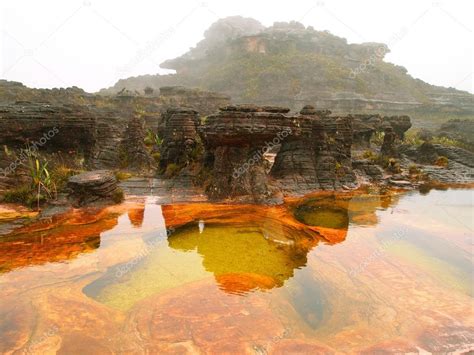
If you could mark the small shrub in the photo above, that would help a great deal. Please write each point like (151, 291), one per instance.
(122, 175)
(448, 142)
(412, 138)
(377, 138)
(442, 161)
(196, 153)
(20, 194)
(152, 138)
(60, 175)
(156, 156)
(369, 154)
(118, 195)
(172, 170)
(339, 170)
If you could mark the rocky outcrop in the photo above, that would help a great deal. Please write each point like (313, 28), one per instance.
(318, 155)
(134, 150)
(236, 139)
(368, 168)
(48, 127)
(92, 186)
(295, 162)
(366, 125)
(180, 136)
(429, 152)
(333, 138)
(314, 153)
(400, 124)
(204, 102)
(426, 153)
(460, 130)
(388, 146)
(97, 134)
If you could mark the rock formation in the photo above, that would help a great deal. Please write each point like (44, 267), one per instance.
(133, 148)
(314, 153)
(318, 155)
(236, 138)
(366, 125)
(295, 162)
(88, 187)
(205, 102)
(400, 124)
(180, 136)
(388, 146)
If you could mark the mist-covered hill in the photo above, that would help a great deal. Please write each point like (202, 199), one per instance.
(290, 64)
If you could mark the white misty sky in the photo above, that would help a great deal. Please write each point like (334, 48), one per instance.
(93, 43)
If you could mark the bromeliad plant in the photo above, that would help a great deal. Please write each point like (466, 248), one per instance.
(40, 178)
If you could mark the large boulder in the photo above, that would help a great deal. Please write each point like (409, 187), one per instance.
(92, 186)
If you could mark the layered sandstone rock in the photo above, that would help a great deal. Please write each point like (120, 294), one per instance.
(99, 135)
(93, 186)
(314, 153)
(366, 125)
(318, 155)
(388, 146)
(400, 124)
(134, 148)
(236, 139)
(205, 102)
(180, 136)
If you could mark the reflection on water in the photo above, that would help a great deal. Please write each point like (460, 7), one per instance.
(330, 272)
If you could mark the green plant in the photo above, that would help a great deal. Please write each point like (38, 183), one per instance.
(449, 142)
(377, 138)
(156, 156)
(172, 170)
(20, 194)
(41, 178)
(369, 154)
(412, 138)
(339, 170)
(122, 175)
(60, 174)
(118, 195)
(152, 138)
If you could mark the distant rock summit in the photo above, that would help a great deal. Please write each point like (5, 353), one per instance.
(290, 64)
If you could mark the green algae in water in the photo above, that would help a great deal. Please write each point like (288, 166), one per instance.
(323, 216)
(231, 249)
(161, 270)
(191, 256)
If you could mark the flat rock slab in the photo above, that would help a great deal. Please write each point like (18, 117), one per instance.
(92, 178)
(92, 186)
